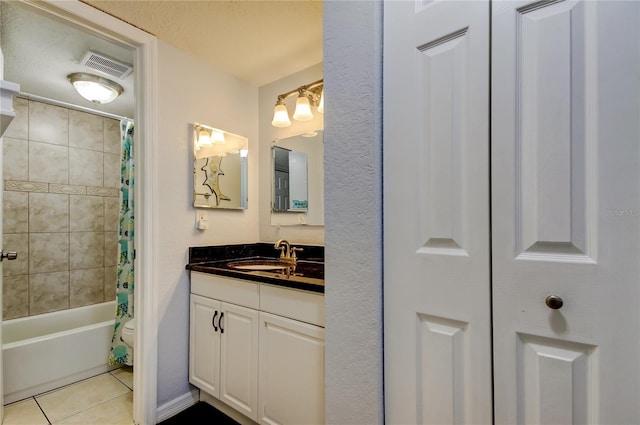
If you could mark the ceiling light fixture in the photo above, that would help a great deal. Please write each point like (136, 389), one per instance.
(95, 89)
(310, 95)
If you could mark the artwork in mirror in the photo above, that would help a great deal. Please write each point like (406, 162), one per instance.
(298, 181)
(220, 172)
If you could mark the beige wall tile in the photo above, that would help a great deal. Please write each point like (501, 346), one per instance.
(110, 280)
(48, 292)
(15, 159)
(48, 163)
(15, 296)
(86, 167)
(48, 212)
(24, 412)
(22, 186)
(87, 250)
(111, 170)
(83, 395)
(103, 191)
(87, 213)
(19, 127)
(110, 248)
(48, 252)
(68, 189)
(86, 131)
(19, 243)
(111, 214)
(15, 218)
(48, 123)
(112, 136)
(86, 287)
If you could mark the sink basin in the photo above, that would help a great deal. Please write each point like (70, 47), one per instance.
(259, 265)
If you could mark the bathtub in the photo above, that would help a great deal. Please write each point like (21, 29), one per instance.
(47, 351)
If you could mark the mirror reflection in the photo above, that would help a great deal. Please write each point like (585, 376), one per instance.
(220, 171)
(298, 180)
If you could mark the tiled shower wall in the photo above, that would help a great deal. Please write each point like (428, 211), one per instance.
(61, 180)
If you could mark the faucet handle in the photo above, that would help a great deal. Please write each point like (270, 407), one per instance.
(282, 248)
(293, 251)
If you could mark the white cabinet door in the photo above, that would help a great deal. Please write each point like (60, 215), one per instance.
(566, 209)
(436, 217)
(204, 344)
(239, 359)
(291, 382)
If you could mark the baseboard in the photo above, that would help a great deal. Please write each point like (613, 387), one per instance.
(177, 405)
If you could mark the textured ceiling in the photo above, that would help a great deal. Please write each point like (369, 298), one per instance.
(257, 41)
(40, 52)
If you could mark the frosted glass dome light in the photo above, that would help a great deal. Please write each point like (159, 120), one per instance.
(95, 89)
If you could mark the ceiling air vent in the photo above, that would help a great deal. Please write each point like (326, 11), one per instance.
(105, 64)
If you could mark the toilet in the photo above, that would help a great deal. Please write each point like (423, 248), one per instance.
(129, 333)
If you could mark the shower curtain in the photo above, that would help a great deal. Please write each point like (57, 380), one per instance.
(121, 353)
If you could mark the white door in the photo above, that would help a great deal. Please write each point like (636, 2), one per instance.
(204, 344)
(437, 322)
(566, 211)
(239, 358)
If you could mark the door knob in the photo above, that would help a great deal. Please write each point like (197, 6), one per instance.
(554, 302)
(9, 255)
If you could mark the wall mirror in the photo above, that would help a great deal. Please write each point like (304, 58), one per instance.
(219, 169)
(298, 180)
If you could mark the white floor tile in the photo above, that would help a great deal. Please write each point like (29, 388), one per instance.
(24, 412)
(83, 395)
(118, 411)
(124, 375)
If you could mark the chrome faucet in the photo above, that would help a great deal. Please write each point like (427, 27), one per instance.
(287, 252)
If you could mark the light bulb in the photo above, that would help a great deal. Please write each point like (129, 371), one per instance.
(280, 115)
(321, 104)
(218, 137)
(204, 137)
(303, 109)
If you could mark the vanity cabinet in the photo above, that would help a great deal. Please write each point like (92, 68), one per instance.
(223, 356)
(258, 348)
(291, 384)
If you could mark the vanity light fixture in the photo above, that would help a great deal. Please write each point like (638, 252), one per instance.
(308, 95)
(95, 89)
(203, 135)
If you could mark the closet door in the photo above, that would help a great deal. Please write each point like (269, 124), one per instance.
(566, 211)
(436, 212)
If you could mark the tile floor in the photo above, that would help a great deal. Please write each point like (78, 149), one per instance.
(105, 399)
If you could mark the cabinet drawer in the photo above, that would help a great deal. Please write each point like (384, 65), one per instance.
(236, 291)
(298, 305)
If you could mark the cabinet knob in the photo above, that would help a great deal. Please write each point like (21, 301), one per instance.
(554, 302)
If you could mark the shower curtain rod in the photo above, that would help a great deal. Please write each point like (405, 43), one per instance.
(71, 106)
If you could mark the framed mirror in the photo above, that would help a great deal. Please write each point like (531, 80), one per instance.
(298, 180)
(219, 169)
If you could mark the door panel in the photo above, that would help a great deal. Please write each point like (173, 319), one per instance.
(239, 359)
(565, 206)
(204, 340)
(436, 218)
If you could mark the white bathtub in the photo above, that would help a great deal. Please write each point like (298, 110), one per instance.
(46, 351)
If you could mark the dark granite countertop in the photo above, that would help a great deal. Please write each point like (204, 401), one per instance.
(309, 271)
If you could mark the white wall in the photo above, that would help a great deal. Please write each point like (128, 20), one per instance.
(191, 90)
(313, 235)
(353, 211)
